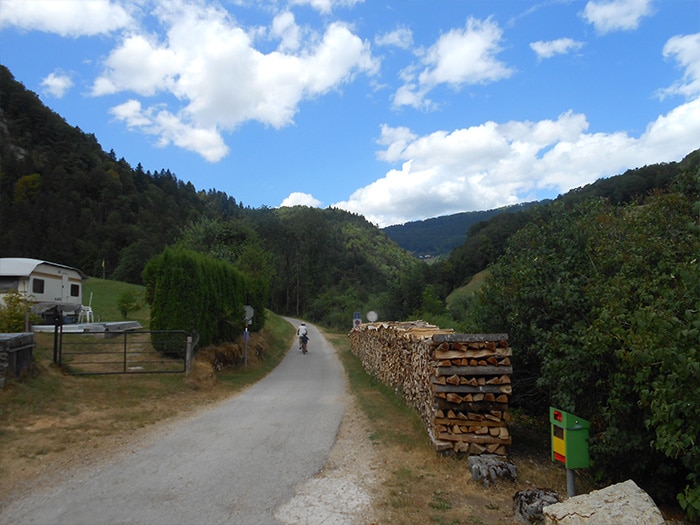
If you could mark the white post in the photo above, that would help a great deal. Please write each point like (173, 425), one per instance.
(245, 354)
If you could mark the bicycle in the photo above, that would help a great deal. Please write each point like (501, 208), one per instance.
(303, 340)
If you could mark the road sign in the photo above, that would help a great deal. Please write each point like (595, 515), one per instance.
(356, 319)
(249, 313)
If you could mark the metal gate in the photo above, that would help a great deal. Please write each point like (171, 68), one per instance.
(127, 352)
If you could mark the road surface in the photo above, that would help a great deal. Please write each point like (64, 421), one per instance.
(234, 464)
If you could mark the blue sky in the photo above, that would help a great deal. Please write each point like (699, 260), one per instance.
(394, 109)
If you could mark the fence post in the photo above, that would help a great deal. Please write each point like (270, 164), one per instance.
(188, 355)
(125, 346)
(56, 324)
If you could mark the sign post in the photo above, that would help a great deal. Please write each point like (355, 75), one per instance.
(249, 313)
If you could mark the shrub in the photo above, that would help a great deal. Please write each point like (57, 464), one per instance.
(194, 292)
(128, 302)
(13, 313)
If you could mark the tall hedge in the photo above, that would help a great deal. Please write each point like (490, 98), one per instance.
(191, 291)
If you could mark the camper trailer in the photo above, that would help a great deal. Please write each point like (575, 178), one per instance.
(48, 286)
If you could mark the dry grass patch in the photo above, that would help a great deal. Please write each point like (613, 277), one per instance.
(421, 486)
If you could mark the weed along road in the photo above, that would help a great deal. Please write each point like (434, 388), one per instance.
(234, 463)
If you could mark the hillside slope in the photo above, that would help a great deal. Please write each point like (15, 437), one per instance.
(438, 236)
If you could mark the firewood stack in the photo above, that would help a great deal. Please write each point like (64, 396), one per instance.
(459, 383)
(472, 386)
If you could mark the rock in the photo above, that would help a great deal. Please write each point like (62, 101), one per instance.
(621, 504)
(490, 467)
(528, 504)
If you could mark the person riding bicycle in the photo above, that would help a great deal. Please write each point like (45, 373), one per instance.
(302, 332)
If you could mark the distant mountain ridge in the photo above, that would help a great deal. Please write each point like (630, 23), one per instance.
(438, 236)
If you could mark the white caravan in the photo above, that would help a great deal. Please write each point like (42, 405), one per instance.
(45, 284)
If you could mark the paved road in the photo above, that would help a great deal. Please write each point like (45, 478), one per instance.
(232, 464)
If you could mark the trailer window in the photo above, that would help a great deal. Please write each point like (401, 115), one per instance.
(8, 284)
(75, 290)
(37, 285)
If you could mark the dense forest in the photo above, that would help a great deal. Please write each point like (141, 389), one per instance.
(599, 290)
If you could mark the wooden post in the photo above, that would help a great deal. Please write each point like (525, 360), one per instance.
(188, 356)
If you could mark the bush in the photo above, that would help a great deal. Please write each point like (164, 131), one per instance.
(128, 302)
(601, 304)
(193, 292)
(13, 313)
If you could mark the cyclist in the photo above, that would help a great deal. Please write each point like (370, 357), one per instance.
(302, 332)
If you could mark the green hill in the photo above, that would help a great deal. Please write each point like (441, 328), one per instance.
(436, 237)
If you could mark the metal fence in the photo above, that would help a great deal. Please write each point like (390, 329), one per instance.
(128, 352)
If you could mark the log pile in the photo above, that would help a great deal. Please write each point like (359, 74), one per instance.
(472, 386)
(459, 383)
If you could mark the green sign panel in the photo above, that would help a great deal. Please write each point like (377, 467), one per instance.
(569, 439)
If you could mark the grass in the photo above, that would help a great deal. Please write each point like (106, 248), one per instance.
(103, 295)
(281, 334)
(393, 421)
(468, 290)
(421, 486)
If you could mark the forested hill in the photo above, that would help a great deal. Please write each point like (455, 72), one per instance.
(66, 200)
(440, 235)
(486, 241)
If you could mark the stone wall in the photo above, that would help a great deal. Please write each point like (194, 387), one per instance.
(16, 355)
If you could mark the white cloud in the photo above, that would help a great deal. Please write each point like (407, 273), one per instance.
(285, 28)
(459, 57)
(140, 65)
(218, 77)
(326, 6)
(169, 128)
(57, 84)
(401, 37)
(493, 165)
(616, 15)
(298, 198)
(686, 50)
(561, 46)
(65, 17)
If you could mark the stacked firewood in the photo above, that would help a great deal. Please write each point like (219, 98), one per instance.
(472, 386)
(459, 383)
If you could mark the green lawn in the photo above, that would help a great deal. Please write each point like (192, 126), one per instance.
(105, 296)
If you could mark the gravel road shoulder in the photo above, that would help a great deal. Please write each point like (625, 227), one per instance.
(342, 492)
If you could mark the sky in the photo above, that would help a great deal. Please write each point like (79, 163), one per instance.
(397, 110)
